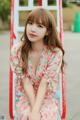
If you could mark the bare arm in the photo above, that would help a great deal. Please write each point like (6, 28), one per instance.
(28, 88)
(40, 95)
(15, 65)
(49, 80)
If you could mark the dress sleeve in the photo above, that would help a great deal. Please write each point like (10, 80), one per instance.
(53, 70)
(15, 62)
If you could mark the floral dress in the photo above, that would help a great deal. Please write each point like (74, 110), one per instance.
(49, 68)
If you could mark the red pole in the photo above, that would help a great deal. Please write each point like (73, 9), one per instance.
(12, 36)
(39, 2)
(63, 116)
(61, 20)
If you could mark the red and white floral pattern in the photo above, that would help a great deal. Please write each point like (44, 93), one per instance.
(49, 68)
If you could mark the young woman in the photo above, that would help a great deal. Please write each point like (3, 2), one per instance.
(37, 62)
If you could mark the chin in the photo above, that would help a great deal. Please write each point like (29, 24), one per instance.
(32, 40)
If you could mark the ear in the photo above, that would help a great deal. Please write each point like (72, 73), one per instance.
(46, 33)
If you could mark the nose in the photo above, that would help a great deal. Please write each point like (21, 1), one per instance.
(33, 28)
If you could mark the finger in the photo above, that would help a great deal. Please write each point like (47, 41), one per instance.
(27, 118)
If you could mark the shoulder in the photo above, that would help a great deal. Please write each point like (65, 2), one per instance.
(55, 51)
(16, 47)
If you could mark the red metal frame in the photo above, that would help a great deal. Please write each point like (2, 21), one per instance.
(12, 37)
(63, 116)
(40, 2)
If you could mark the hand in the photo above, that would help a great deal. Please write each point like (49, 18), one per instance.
(34, 115)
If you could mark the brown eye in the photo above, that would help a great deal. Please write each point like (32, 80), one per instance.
(40, 25)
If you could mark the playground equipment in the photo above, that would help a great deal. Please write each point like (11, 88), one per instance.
(77, 22)
(15, 30)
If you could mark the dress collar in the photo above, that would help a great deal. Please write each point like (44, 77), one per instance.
(41, 67)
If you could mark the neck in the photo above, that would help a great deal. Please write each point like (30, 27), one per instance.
(37, 46)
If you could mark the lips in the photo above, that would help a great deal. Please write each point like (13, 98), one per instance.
(32, 34)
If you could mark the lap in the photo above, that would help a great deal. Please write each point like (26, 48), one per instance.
(48, 111)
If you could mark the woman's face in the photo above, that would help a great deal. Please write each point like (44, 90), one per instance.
(35, 32)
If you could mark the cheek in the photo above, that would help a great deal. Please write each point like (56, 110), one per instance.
(27, 29)
(43, 33)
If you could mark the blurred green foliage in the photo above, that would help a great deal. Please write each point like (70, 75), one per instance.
(4, 9)
(51, 2)
(65, 3)
(5, 6)
(23, 2)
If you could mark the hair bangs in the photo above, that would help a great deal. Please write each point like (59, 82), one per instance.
(39, 17)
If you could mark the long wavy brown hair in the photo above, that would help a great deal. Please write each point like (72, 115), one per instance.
(52, 39)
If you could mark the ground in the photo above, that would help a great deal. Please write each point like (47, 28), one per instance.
(71, 43)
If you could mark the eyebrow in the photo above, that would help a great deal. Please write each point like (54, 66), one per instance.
(37, 22)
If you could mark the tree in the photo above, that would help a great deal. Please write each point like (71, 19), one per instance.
(4, 9)
(65, 3)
